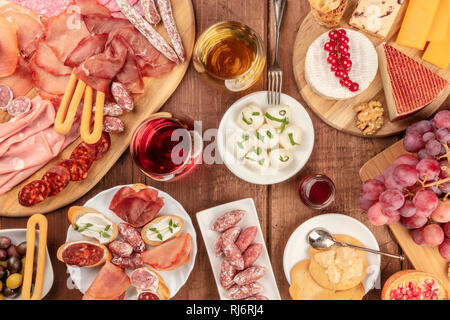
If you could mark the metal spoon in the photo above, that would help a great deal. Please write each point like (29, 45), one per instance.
(320, 238)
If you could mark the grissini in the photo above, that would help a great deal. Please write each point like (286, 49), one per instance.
(162, 229)
(76, 213)
(106, 256)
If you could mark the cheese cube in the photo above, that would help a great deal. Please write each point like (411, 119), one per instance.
(417, 23)
(441, 22)
(438, 52)
(376, 16)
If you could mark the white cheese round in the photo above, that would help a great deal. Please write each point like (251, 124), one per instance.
(323, 81)
(281, 158)
(257, 159)
(250, 118)
(239, 143)
(161, 231)
(267, 137)
(276, 116)
(94, 225)
(291, 137)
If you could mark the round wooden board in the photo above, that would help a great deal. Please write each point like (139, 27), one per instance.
(158, 90)
(423, 258)
(340, 114)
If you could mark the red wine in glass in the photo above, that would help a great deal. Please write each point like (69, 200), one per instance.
(162, 148)
(317, 191)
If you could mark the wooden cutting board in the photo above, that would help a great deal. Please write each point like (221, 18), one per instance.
(158, 90)
(340, 114)
(422, 258)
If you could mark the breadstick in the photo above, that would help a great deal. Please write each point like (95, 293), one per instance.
(150, 12)
(85, 128)
(165, 8)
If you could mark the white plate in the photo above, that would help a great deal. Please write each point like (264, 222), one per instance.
(175, 279)
(297, 246)
(206, 219)
(299, 117)
(20, 235)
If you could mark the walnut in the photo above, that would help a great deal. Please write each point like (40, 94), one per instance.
(369, 117)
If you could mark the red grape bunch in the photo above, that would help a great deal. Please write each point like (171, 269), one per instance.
(415, 189)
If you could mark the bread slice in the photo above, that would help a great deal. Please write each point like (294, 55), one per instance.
(175, 220)
(106, 257)
(76, 212)
(162, 291)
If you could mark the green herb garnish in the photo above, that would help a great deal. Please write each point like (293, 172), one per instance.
(284, 120)
(255, 114)
(269, 134)
(261, 162)
(249, 122)
(250, 159)
(259, 136)
(283, 126)
(285, 159)
(282, 113)
(291, 139)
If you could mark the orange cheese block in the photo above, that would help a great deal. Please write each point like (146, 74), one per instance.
(408, 85)
(417, 23)
(439, 30)
(438, 53)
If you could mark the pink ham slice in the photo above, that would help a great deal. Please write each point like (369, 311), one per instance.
(89, 46)
(47, 60)
(63, 35)
(20, 81)
(48, 82)
(91, 7)
(109, 284)
(97, 23)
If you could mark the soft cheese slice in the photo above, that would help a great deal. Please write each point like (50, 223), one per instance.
(408, 85)
(323, 81)
(376, 16)
(439, 30)
(417, 23)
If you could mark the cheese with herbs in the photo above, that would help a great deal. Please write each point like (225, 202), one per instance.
(162, 229)
(94, 225)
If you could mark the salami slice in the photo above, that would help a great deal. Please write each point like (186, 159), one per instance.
(113, 125)
(57, 178)
(132, 236)
(19, 106)
(85, 154)
(34, 193)
(112, 110)
(147, 295)
(6, 96)
(122, 96)
(76, 169)
(102, 146)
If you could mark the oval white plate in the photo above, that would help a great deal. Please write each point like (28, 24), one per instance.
(299, 117)
(175, 279)
(297, 246)
(20, 235)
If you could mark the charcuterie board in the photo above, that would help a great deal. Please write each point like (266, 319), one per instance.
(423, 258)
(157, 92)
(340, 114)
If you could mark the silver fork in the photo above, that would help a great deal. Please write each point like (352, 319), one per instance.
(275, 74)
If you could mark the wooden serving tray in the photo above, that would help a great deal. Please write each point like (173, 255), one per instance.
(158, 90)
(340, 114)
(423, 258)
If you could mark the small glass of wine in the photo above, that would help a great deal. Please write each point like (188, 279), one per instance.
(229, 56)
(317, 191)
(164, 148)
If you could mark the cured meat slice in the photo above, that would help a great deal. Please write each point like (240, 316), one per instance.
(168, 255)
(130, 75)
(29, 31)
(136, 207)
(18, 106)
(92, 7)
(102, 146)
(144, 279)
(20, 81)
(114, 7)
(46, 8)
(63, 34)
(89, 46)
(97, 23)
(111, 282)
(34, 193)
(113, 125)
(58, 177)
(157, 68)
(8, 48)
(150, 11)
(46, 81)
(111, 109)
(122, 96)
(47, 60)
(53, 98)
(76, 169)
(6, 96)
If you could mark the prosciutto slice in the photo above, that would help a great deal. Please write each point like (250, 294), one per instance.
(47, 60)
(136, 207)
(20, 81)
(92, 7)
(48, 82)
(109, 284)
(89, 46)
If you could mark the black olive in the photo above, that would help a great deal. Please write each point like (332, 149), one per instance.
(5, 242)
(12, 251)
(10, 293)
(14, 264)
(2, 271)
(22, 248)
(3, 255)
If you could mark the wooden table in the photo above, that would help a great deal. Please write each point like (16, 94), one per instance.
(280, 210)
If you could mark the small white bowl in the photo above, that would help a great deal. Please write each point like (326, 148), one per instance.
(18, 236)
(297, 246)
(228, 126)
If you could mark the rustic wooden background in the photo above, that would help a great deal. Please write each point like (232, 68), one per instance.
(280, 210)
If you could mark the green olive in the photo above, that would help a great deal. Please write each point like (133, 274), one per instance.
(14, 281)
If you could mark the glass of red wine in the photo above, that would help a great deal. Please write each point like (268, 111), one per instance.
(163, 148)
(317, 191)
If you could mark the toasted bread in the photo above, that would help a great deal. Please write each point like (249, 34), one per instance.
(76, 212)
(145, 230)
(106, 257)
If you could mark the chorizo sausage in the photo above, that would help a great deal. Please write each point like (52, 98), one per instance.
(33, 193)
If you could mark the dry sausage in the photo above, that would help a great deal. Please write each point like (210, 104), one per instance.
(6, 96)
(77, 169)
(19, 106)
(112, 110)
(249, 275)
(241, 292)
(113, 125)
(246, 238)
(120, 248)
(132, 236)
(132, 262)
(232, 254)
(252, 254)
(228, 220)
(227, 273)
(122, 96)
(150, 12)
(165, 8)
(102, 146)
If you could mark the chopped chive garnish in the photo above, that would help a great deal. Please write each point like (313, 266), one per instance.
(283, 126)
(255, 114)
(269, 134)
(249, 122)
(259, 136)
(284, 159)
(291, 139)
(282, 113)
(284, 120)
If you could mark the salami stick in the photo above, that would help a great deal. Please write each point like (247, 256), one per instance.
(147, 30)
(150, 12)
(165, 8)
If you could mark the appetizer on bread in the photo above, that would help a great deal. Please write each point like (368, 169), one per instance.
(162, 229)
(92, 224)
(149, 285)
(83, 253)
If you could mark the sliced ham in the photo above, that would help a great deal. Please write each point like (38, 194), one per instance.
(97, 23)
(46, 8)
(20, 81)
(46, 81)
(9, 49)
(136, 207)
(29, 30)
(47, 60)
(64, 33)
(110, 283)
(55, 99)
(89, 46)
